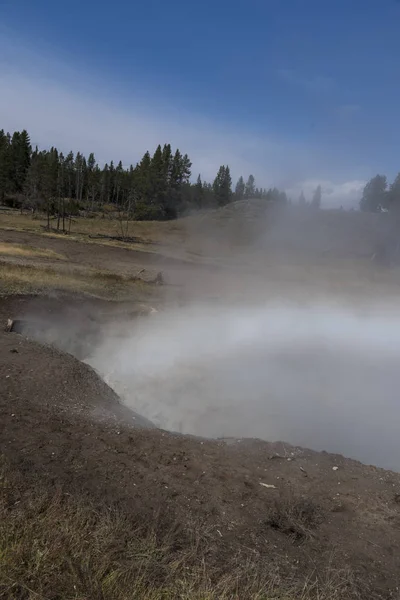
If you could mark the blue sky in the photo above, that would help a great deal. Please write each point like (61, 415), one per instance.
(296, 91)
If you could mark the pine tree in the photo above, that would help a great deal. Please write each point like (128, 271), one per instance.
(20, 156)
(374, 194)
(167, 163)
(159, 180)
(180, 175)
(218, 181)
(143, 178)
(118, 184)
(50, 178)
(222, 186)
(80, 167)
(69, 179)
(240, 189)
(394, 194)
(33, 180)
(105, 185)
(92, 175)
(209, 199)
(250, 187)
(180, 170)
(111, 180)
(316, 199)
(60, 192)
(198, 196)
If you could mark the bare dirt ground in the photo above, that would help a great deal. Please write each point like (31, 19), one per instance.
(60, 423)
(249, 518)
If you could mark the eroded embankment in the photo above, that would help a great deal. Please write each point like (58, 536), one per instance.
(322, 376)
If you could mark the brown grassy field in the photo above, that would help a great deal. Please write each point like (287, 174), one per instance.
(82, 227)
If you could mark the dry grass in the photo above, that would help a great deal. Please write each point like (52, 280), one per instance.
(153, 231)
(32, 279)
(295, 516)
(8, 249)
(56, 546)
(168, 238)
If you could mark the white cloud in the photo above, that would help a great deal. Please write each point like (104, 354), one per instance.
(64, 107)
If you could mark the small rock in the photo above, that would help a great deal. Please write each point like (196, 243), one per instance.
(335, 468)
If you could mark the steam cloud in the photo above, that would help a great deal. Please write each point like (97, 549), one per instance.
(320, 376)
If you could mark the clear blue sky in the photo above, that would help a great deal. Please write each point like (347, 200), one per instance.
(318, 74)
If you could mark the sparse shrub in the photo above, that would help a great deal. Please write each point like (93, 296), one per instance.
(148, 212)
(295, 516)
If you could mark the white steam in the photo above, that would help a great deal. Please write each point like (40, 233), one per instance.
(321, 376)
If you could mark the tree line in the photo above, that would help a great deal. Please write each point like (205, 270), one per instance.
(158, 187)
(379, 195)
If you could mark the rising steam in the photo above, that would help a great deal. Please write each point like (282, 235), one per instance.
(319, 376)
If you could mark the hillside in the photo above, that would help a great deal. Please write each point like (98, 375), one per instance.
(262, 226)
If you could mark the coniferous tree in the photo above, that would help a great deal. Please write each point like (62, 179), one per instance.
(91, 179)
(167, 164)
(33, 181)
(159, 183)
(69, 169)
(199, 193)
(240, 189)
(316, 199)
(374, 194)
(222, 186)
(105, 185)
(249, 191)
(218, 183)
(393, 195)
(180, 176)
(118, 190)
(19, 161)
(80, 173)
(158, 187)
(143, 180)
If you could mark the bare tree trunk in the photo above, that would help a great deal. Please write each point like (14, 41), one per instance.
(48, 214)
(58, 214)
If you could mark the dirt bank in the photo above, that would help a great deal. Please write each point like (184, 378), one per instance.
(304, 512)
